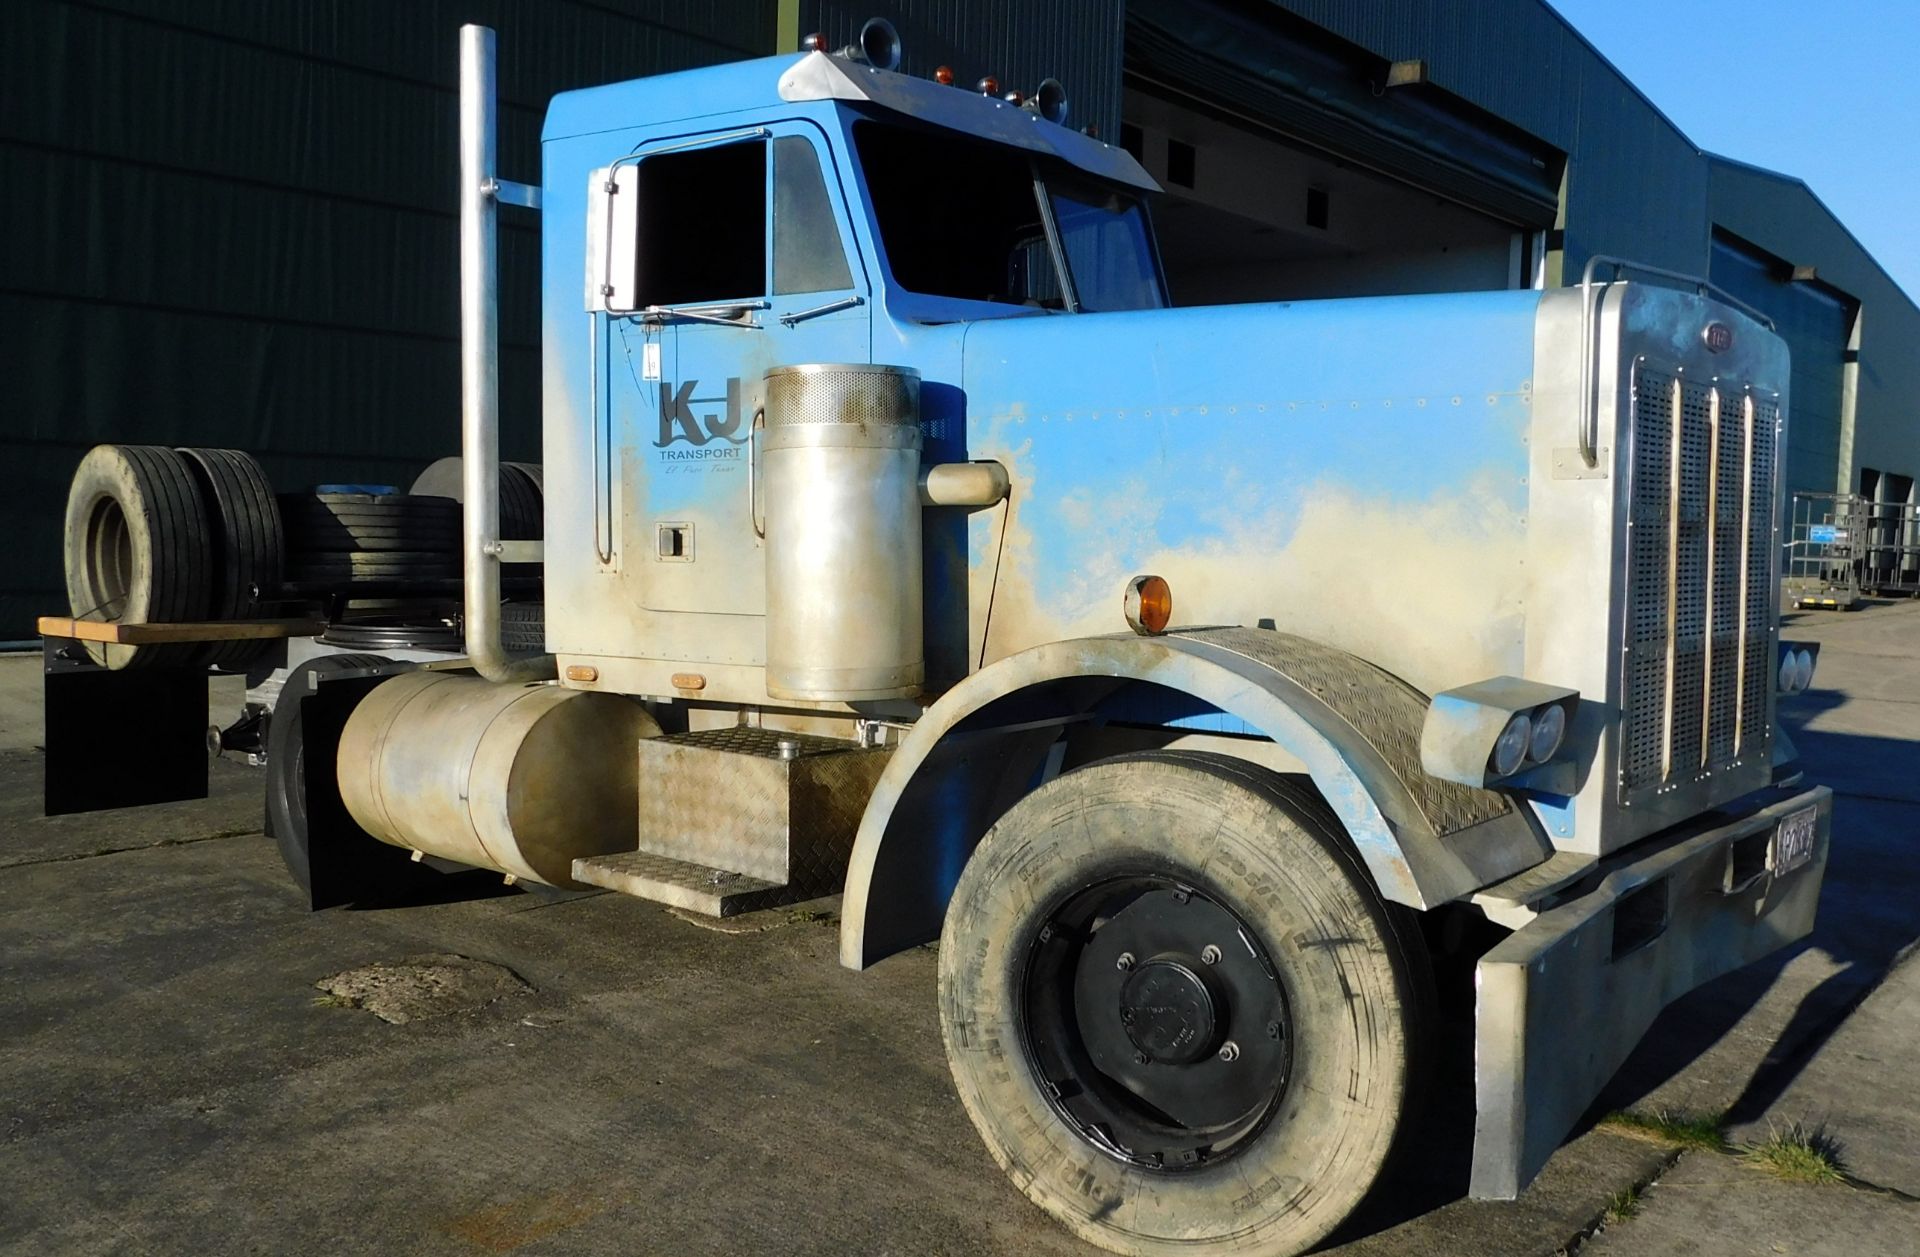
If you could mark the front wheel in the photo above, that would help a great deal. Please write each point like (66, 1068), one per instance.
(1176, 1009)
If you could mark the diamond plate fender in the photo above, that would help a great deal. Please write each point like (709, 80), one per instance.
(1355, 727)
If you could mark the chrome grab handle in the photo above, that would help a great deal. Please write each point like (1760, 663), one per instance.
(753, 458)
(1589, 433)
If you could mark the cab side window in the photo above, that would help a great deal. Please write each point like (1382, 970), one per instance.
(806, 242)
(703, 225)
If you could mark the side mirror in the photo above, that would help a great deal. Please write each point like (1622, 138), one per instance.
(613, 239)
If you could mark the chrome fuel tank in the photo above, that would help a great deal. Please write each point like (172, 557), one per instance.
(520, 779)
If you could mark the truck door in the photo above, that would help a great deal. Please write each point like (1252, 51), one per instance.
(747, 251)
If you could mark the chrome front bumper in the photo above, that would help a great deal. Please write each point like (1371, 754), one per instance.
(1564, 999)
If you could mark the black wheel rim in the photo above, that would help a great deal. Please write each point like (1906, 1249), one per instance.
(1155, 1021)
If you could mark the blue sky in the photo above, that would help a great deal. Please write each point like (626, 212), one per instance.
(1831, 94)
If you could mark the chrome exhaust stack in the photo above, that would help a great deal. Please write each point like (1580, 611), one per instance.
(481, 191)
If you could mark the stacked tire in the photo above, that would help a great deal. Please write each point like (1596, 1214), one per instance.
(338, 541)
(165, 536)
(523, 503)
(248, 546)
(522, 494)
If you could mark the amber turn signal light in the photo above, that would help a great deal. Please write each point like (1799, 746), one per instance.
(1149, 604)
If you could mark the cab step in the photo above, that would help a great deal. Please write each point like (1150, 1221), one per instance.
(679, 883)
(735, 820)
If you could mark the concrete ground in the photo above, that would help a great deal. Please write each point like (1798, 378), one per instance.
(171, 1078)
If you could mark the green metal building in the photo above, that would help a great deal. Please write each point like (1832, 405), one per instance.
(233, 223)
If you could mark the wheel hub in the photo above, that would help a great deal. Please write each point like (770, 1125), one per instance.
(1168, 1012)
(1157, 1021)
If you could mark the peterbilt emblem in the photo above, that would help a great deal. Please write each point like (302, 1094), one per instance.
(1717, 337)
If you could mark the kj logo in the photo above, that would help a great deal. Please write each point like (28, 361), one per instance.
(680, 424)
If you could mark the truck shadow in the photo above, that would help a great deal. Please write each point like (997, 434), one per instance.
(1869, 914)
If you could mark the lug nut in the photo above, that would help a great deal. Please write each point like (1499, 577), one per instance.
(1273, 1029)
(1126, 1016)
(1209, 955)
(1125, 962)
(1139, 1058)
(1229, 1051)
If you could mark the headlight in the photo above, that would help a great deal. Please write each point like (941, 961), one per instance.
(1796, 670)
(1549, 729)
(1511, 748)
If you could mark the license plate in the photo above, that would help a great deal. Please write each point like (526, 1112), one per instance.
(1793, 841)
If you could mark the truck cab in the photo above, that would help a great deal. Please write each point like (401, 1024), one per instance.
(817, 215)
(1410, 534)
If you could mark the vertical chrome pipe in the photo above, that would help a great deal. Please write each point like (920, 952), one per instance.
(480, 369)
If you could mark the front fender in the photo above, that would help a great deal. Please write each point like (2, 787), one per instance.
(1355, 728)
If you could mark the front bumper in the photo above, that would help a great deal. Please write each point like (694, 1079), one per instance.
(1564, 999)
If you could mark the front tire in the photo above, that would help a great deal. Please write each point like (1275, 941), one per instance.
(1176, 1009)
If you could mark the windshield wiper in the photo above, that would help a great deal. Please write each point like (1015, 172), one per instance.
(814, 312)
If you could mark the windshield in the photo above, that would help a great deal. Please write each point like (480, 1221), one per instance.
(962, 218)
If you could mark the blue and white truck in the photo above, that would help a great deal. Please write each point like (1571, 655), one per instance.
(1219, 687)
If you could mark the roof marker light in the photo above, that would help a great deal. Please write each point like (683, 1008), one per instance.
(988, 86)
(943, 75)
(815, 42)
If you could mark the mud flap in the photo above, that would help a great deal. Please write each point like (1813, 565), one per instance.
(120, 739)
(1565, 999)
(346, 864)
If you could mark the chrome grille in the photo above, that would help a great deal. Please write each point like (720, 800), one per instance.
(1698, 654)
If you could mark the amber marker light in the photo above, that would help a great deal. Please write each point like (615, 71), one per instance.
(815, 42)
(1149, 605)
(943, 75)
(582, 672)
(988, 86)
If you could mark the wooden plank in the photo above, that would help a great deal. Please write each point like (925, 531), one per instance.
(154, 634)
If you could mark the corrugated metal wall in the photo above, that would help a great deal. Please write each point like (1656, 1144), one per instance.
(1815, 321)
(1782, 216)
(1517, 59)
(1638, 188)
(1016, 41)
(234, 223)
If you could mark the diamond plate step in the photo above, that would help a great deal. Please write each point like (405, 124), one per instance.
(778, 808)
(695, 887)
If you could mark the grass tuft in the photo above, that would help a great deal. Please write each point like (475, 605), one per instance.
(1668, 1126)
(1797, 1153)
(1622, 1205)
